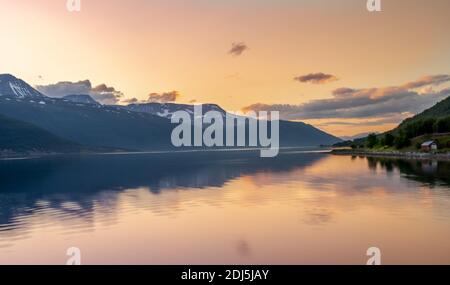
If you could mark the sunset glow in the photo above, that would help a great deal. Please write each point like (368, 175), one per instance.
(232, 53)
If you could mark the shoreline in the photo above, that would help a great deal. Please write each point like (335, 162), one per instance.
(33, 155)
(394, 154)
(347, 152)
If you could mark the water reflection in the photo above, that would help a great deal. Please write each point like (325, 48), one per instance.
(429, 172)
(231, 205)
(74, 185)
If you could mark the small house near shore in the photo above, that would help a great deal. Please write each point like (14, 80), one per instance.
(429, 146)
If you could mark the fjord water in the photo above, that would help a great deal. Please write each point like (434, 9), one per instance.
(224, 208)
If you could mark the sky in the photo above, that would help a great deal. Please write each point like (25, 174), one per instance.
(329, 63)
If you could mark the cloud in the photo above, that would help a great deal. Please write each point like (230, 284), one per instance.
(130, 101)
(238, 48)
(431, 80)
(391, 119)
(163, 97)
(235, 76)
(348, 103)
(316, 78)
(105, 94)
(342, 92)
(101, 93)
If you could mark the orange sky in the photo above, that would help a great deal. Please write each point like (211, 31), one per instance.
(145, 46)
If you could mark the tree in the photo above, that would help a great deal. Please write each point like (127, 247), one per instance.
(389, 139)
(372, 140)
(442, 125)
(411, 129)
(427, 126)
(401, 140)
(418, 145)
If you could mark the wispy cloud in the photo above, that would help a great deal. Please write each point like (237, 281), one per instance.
(430, 80)
(101, 93)
(347, 103)
(165, 97)
(130, 101)
(390, 119)
(238, 48)
(316, 78)
(235, 76)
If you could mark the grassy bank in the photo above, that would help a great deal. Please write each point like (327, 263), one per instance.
(393, 154)
(412, 151)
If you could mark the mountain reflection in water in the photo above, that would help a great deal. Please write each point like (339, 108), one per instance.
(93, 200)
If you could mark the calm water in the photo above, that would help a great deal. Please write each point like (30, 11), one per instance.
(224, 208)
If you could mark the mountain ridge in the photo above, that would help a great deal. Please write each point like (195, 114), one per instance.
(439, 110)
(431, 124)
(81, 98)
(12, 86)
(17, 136)
(96, 125)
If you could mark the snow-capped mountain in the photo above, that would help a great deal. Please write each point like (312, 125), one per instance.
(140, 127)
(166, 110)
(81, 98)
(11, 86)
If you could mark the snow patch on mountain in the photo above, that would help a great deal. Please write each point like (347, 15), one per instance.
(14, 87)
(19, 91)
(80, 98)
(166, 110)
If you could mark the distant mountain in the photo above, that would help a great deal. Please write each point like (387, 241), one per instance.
(81, 98)
(355, 137)
(291, 133)
(17, 136)
(135, 127)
